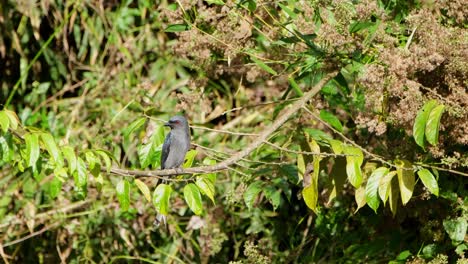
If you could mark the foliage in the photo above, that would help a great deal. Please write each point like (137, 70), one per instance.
(86, 85)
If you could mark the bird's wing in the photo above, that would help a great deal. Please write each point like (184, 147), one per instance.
(165, 150)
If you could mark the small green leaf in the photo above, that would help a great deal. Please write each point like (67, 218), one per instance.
(145, 153)
(360, 198)
(177, 28)
(106, 156)
(262, 65)
(353, 165)
(216, 2)
(161, 196)
(456, 228)
(14, 120)
(54, 187)
(433, 125)
(6, 148)
(295, 86)
(420, 122)
(393, 196)
(193, 198)
(143, 189)
(288, 11)
(310, 196)
(331, 119)
(406, 179)
(4, 121)
(70, 156)
(123, 194)
(52, 148)
(384, 186)
(135, 125)
(372, 187)
(251, 193)
(273, 195)
(336, 145)
(189, 158)
(300, 166)
(80, 175)
(429, 181)
(94, 164)
(206, 187)
(32, 149)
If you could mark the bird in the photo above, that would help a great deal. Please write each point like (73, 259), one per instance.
(175, 146)
(176, 143)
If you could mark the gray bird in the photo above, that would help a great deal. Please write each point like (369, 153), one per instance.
(176, 144)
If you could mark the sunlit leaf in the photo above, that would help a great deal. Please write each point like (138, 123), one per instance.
(143, 189)
(360, 197)
(161, 196)
(331, 119)
(4, 121)
(193, 198)
(80, 175)
(295, 86)
(420, 122)
(300, 166)
(429, 181)
(32, 149)
(135, 125)
(251, 193)
(123, 194)
(393, 196)
(433, 124)
(336, 145)
(106, 156)
(145, 154)
(14, 120)
(372, 187)
(94, 164)
(189, 158)
(384, 186)
(54, 187)
(70, 156)
(456, 228)
(310, 196)
(406, 179)
(6, 149)
(216, 2)
(206, 187)
(52, 148)
(353, 165)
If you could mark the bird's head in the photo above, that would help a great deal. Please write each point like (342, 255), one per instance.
(177, 122)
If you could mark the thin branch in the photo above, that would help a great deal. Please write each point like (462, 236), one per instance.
(19, 240)
(260, 140)
(308, 152)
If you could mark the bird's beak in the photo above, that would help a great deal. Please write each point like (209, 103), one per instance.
(167, 124)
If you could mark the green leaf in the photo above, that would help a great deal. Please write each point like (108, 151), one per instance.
(331, 119)
(81, 176)
(393, 196)
(106, 156)
(94, 164)
(123, 194)
(161, 196)
(145, 153)
(216, 2)
(360, 198)
(262, 65)
(433, 125)
(353, 165)
(70, 156)
(273, 195)
(360, 25)
(372, 187)
(420, 122)
(251, 193)
(32, 149)
(300, 166)
(189, 158)
(6, 148)
(288, 11)
(336, 145)
(206, 187)
(193, 198)
(295, 86)
(429, 181)
(384, 186)
(4, 121)
(406, 179)
(54, 187)
(52, 148)
(456, 229)
(177, 28)
(14, 120)
(135, 125)
(310, 196)
(143, 189)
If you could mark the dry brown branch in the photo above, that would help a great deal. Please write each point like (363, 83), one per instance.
(262, 137)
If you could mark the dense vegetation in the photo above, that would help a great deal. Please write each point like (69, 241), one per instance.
(323, 131)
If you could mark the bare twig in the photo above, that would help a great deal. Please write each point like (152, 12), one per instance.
(262, 137)
(19, 240)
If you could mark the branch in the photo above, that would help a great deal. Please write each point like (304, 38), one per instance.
(259, 140)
